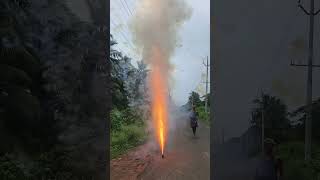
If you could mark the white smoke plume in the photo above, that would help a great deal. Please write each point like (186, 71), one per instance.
(155, 24)
(154, 29)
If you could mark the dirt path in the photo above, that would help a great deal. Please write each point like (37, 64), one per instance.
(130, 165)
(186, 158)
(232, 164)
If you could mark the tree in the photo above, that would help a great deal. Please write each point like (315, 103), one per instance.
(74, 87)
(194, 99)
(128, 82)
(22, 111)
(140, 81)
(275, 115)
(207, 97)
(300, 115)
(119, 92)
(115, 55)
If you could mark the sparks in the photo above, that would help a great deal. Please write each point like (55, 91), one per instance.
(159, 99)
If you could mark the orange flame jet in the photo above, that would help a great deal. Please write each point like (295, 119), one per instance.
(158, 80)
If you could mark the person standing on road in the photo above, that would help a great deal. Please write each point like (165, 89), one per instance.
(268, 168)
(194, 120)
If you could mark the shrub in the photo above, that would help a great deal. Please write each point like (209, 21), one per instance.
(116, 119)
(54, 164)
(202, 115)
(10, 168)
(295, 166)
(127, 130)
(127, 137)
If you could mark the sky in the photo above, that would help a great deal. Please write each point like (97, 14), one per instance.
(194, 36)
(252, 52)
(252, 48)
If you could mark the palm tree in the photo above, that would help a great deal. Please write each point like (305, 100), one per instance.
(275, 115)
(194, 99)
(115, 55)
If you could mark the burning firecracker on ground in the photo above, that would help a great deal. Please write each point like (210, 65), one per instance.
(155, 30)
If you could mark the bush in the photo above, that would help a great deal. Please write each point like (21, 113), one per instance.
(10, 168)
(127, 130)
(116, 119)
(53, 164)
(295, 168)
(202, 115)
(124, 117)
(127, 137)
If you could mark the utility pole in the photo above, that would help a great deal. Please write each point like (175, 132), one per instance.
(192, 101)
(207, 83)
(262, 121)
(308, 121)
(222, 135)
(262, 131)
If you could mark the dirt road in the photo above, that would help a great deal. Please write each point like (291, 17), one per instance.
(186, 157)
(230, 163)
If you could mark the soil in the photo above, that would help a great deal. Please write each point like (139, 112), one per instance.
(186, 157)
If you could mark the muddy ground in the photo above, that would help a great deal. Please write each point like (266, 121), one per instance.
(187, 157)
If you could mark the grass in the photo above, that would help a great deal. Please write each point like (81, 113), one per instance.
(202, 115)
(127, 137)
(295, 168)
(127, 131)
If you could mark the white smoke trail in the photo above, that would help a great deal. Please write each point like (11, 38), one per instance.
(156, 23)
(154, 28)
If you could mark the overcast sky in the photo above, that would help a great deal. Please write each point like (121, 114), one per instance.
(188, 59)
(252, 52)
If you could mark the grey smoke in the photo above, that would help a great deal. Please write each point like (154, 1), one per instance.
(156, 23)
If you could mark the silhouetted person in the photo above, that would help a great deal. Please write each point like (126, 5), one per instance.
(194, 120)
(268, 168)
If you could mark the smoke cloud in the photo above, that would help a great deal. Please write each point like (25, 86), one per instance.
(155, 26)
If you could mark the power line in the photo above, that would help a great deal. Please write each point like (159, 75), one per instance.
(124, 8)
(207, 82)
(288, 28)
(121, 9)
(122, 20)
(308, 122)
(128, 10)
(128, 7)
(123, 34)
(125, 40)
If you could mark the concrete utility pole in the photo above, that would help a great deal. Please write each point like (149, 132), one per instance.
(308, 122)
(262, 121)
(222, 135)
(207, 83)
(262, 132)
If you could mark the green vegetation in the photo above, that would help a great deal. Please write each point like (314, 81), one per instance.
(127, 131)
(295, 167)
(275, 116)
(45, 86)
(127, 120)
(287, 129)
(194, 99)
(49, 165)
(203, 115)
